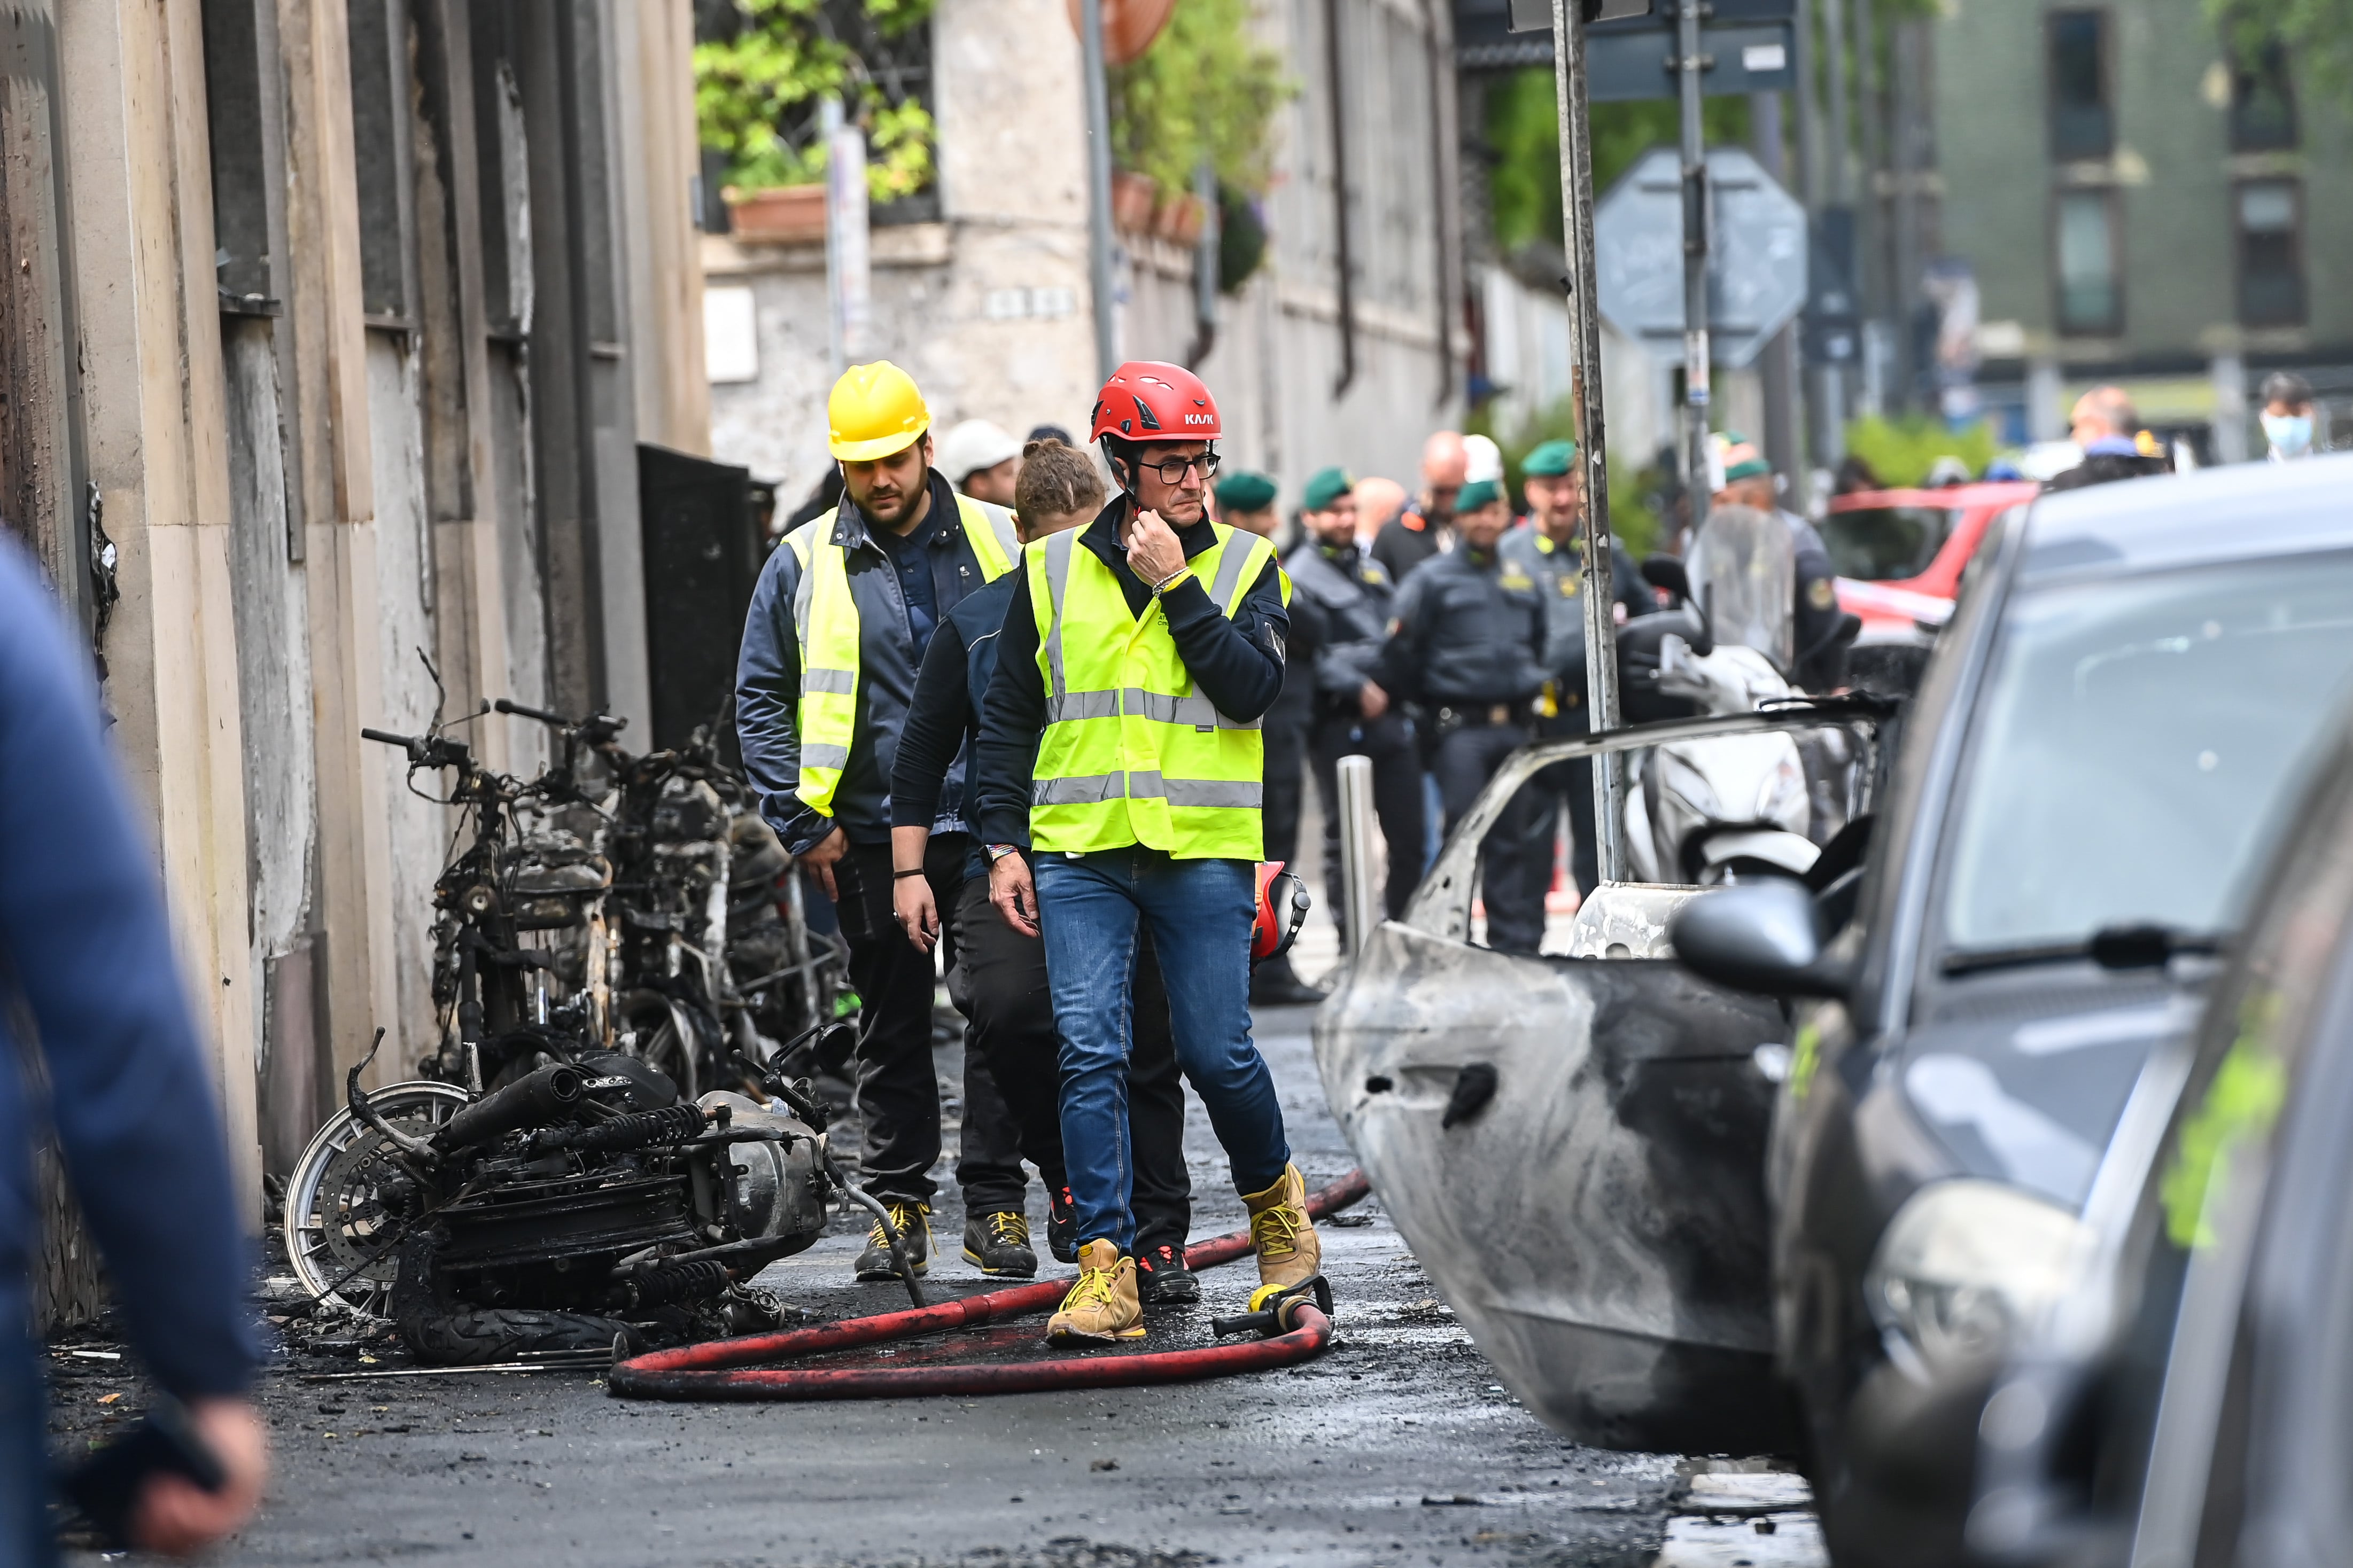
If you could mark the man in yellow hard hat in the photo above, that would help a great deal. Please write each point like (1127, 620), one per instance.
(837, 631)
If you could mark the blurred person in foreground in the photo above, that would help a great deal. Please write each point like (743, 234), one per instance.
(1340, 605)
(86, 959)
(2287, 416)
(1246, 500)
(2108, 427)
(1818, 622)
(1425, 528)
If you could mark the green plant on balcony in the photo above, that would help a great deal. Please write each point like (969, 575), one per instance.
(756, 95)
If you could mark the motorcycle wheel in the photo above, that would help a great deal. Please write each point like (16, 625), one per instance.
(334, 1220)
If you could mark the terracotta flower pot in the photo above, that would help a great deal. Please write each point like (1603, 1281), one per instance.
(1178, 219)
(1129, 26)
(785, 213)
(1133, 200)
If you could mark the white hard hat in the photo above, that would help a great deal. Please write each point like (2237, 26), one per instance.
(1484, 459)
(974, 445)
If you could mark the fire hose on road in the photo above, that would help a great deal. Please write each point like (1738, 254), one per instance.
(741, 1369)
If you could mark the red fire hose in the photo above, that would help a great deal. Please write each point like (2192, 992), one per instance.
(732, 1369)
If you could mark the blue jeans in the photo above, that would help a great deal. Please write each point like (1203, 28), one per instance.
(1201, 912)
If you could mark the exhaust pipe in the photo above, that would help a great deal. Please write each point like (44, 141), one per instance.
(538, 1097)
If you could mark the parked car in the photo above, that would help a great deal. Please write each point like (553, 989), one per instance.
(2192, 1393)
(2121, 702)
(1898, 555)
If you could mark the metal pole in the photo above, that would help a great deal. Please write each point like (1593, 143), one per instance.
(1358, 911)
(1689, 64)
(1601, 625)
(1091, 36)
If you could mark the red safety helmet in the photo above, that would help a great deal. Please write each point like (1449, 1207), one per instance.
(1147, 400)
(1283, 905)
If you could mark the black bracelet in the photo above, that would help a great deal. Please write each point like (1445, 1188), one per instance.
(903, 876)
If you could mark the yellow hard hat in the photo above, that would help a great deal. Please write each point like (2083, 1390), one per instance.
(874, 410)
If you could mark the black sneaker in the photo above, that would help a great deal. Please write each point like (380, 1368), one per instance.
(1162, 1281)
(998, 1243)
(1277, 985)
(908, 1218)
(1062, 1226)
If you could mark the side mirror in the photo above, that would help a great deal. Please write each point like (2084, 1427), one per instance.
(1766, 937)
(1667, 572)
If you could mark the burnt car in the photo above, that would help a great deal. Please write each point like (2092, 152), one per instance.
(2076, 817)
(2191, 1395)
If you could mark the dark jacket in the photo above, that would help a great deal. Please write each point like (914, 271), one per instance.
(1470, 631)
(86, 957)
(1405, 540)
(1340, 604)
(944, 719)
(1559, 576)
(1236, 662)
(768, 672)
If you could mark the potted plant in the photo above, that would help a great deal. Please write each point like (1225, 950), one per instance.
(781, 214)
(1133, 199)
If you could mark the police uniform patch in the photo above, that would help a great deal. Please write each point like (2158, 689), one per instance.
(1821, 593)
(1516, 579)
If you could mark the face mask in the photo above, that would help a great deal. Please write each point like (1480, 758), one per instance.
(2289, 434)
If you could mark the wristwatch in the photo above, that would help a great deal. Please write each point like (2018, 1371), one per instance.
(1000, 851)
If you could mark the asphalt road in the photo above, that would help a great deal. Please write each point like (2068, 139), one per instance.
(1397, 1446)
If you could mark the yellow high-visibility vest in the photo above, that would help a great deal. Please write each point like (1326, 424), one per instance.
(824, 622)
(1131, 754)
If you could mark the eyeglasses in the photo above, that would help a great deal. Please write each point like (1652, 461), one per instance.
(1172, 470)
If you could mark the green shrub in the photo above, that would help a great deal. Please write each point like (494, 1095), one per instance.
(1901, 451)
(1206, 88)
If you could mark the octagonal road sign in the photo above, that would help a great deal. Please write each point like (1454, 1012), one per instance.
(1756, 264)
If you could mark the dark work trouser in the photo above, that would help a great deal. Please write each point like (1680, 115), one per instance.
(1512, 887)
(1012, 1032)
(1573, 782)
(1388, 740)
(1284, 736)
(898, 1087)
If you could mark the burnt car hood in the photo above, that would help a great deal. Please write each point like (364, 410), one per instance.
(2021, 1075)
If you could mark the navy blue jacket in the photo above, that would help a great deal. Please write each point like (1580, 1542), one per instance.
(1235, 662)
(943, 720)
(890, 650)
(86, 955)
(1469, 632)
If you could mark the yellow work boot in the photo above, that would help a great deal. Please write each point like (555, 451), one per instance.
(1102, 1307)
(909, 1219)
(1282, 1233)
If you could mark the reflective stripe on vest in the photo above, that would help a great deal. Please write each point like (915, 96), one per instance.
(825, 624)
(1131, 753)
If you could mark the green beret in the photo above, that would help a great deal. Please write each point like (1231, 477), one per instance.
(1476, 494)
(1243, 491)
(1743, 458)
(1552, 458)
(1327, 486)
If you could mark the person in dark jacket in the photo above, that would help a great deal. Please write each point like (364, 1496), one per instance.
(2105, 424)
(1468, 647)
(1011, 1047)
(838, 626)
(1340, 604)
(1551, 550)
(87, 961)
(1425, 527)
(1246, 500)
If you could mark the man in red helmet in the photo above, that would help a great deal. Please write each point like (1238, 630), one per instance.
(1120, 744)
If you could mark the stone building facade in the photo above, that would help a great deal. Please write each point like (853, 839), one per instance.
(337, 326)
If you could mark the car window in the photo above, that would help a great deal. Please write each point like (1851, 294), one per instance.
(1886, 543)
(2131, 740)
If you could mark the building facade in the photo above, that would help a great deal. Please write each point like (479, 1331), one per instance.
(2140, 204)
(337, 326)
(1346, 346)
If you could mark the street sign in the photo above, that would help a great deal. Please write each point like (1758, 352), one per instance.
(1756, 255)
(1752, 57)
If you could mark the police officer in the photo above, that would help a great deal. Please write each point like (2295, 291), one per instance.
(1468, 646)
(1340, 604)
(1551, 550)
(837, 629)
(1820, 637)
(1246, 500)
